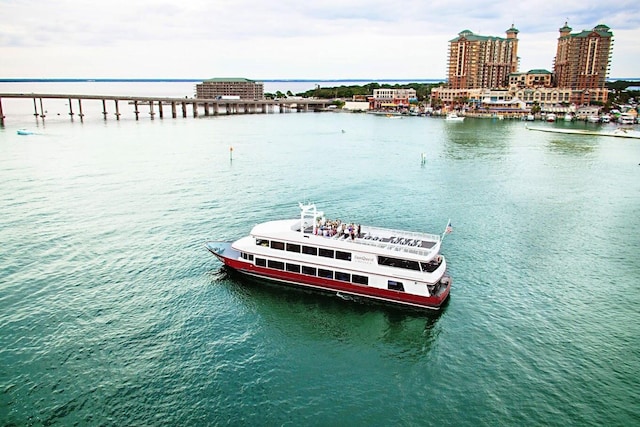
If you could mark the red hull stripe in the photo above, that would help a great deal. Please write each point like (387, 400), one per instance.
(324, 284)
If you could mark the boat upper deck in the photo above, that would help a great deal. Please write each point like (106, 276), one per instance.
(343, 234)
(421, 244)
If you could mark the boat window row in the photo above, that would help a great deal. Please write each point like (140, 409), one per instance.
(407, 264)
(307, 250)
(312, 271)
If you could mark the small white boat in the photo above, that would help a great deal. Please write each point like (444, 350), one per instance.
(453, 117)
(551, 117)
(593, 119)
(24, 132)
(626, 119)
(568, 117)
(605, 118)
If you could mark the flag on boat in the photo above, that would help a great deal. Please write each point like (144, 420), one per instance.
(449, 228)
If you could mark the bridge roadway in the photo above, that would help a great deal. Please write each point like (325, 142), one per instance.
(215, 106)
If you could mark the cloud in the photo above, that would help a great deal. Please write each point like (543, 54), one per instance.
(286, 38)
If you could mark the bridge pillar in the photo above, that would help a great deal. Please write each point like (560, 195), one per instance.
(1, 115)
(80, 114)
(135, 109)
(70, 109)
(216, 109)
(104, 108)
(151, 112)
(41, 109)
(117, 109)
(173, 110)
(206, 108)
(195, 109)
(160, 109)
(184, 109)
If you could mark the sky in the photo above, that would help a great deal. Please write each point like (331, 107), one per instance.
(289, 39)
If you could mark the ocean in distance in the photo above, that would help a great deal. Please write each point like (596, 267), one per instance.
(112, 312)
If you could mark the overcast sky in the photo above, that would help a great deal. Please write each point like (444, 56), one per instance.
(288, 39)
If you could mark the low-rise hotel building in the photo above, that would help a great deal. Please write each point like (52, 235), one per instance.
(392, 98)
(244, 88)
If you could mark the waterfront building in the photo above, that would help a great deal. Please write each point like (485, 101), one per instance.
(582, 63)
(476, 61)
(531, 79)
(392, 98)
(244, 88)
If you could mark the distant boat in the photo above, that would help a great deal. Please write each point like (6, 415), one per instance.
(453, 117)
(625, 119)
(551, 117)
(24, 132)
(593, 119)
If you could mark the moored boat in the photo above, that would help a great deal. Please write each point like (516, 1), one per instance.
(453, 117)
(390, 266)
(551, 117)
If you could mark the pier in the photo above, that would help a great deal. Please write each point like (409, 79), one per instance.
(209, 106)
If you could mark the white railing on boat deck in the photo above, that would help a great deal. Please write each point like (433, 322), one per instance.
(412, 240)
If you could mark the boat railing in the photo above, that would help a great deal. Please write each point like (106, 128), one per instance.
(403, 241)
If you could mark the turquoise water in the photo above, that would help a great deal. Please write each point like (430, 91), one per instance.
(112, 311)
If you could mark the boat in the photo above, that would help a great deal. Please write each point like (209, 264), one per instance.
(364, 262)
(453, 117)
(551, 117)
(593, 119)
(618, 133)
(626, 119)
(605, 118)
(24, 132)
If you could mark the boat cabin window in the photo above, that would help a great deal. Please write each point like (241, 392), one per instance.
(395, 286)
(294, 268)
(327, 253)
(345, 277)
(309, 250)
(429, 267)
(261, 262)
(398, 262)
(247, 256)
(292, 247)
(343, 255)
(325, 273)
(311, 271)
(278, 265)
(277, 245)
(262, 242)
(361, 280)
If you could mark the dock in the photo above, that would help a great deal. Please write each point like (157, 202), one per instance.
(176, 106)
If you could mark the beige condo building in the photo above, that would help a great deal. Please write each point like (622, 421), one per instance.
(244, 88)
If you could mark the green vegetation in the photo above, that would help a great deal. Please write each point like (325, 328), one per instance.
(347, 92)
(619, 95)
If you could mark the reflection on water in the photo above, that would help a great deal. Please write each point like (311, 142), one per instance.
(357, 322)
(573, 144)
(475, 138)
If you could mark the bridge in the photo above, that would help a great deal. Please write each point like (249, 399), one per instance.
(209, 106)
